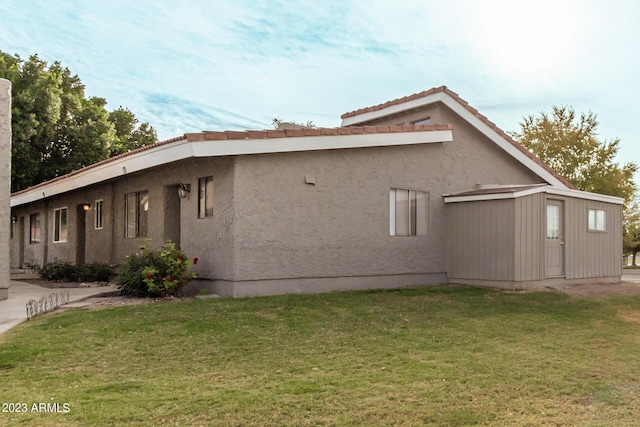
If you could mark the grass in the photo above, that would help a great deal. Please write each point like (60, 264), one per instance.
(443, 355)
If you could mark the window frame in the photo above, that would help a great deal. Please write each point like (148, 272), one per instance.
(417, 206)
(141, 216)
(204, 210)
(98, 220)
(60, 230)
(599, 223)
(35, 228)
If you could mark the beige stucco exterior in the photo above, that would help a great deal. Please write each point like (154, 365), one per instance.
(314, 220)
(5, 184)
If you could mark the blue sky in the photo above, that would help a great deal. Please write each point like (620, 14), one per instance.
(195, 65)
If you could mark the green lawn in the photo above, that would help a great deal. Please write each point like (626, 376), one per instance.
(424, 356)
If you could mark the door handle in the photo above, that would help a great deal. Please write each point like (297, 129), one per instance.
(562, 242)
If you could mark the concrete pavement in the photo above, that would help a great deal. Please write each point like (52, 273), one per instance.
(14, 309)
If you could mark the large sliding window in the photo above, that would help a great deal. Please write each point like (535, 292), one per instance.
(60, 225)
(408, 212)
(136, 214)
(205, 197)
(34, 228)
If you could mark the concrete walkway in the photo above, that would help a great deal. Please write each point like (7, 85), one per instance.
(14, 309)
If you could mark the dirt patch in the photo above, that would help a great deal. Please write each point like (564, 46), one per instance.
(622, 288)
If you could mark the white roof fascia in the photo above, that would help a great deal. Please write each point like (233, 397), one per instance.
(128, 164)
(180, 150)
(392, 109)
(585, 195)
(494, 196)
(313, 143)
(469, 117)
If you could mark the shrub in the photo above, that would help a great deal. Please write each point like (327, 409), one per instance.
(62, 270)
(155, 272)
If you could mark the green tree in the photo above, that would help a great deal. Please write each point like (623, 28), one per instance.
(55, 128)
(130, 133)
(569, 144)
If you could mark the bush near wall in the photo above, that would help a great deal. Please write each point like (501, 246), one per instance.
(159, 272)
(65, 271)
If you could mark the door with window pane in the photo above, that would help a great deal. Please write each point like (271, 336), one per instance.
(554, 239)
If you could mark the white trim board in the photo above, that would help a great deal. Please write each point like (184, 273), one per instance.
(452, 198)
(183, 149)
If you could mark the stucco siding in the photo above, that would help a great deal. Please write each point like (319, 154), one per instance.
(481, 240)
(5, 184)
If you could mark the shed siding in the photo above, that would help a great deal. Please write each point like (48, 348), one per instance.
(529, 238)
(481, 240)
(592, 253)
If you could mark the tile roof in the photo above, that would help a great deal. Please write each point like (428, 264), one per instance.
(252, 135)
(497, 190)
(475, 112)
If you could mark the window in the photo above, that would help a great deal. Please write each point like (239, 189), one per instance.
(553, 222)
(34, 228)
(597, 220)
(409, 212)
(60, 225)
(98, 214)
(205, 197)
(425, 121)
(136, 214)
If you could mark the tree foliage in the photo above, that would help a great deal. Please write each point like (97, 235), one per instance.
(570, 145)
(55, 128)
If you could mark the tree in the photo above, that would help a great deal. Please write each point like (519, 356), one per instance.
(55, 128)
(130, 133)
(570, 146)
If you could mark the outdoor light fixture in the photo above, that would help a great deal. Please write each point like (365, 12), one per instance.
(14, 220)
(183, 190)
(86, 207)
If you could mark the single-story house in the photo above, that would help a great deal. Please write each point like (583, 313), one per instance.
(416, 191)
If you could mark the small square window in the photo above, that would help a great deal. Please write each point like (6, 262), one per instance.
(597, 220)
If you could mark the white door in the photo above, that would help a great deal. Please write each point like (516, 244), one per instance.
(554, 242)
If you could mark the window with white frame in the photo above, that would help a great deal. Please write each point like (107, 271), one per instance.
(408, 212)
(136, 211)
(34, 228)
(205, 197)
(60, 225)
(98, 214)
(597, 220)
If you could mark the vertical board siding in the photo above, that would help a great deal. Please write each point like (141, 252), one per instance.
(592, 253)
(529, 237)
(481, 240)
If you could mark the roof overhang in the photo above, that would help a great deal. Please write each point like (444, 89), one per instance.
(461, 110)
(514, 193)
(183, 149)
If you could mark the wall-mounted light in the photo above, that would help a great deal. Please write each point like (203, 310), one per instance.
(183, 190)
(14, 220)
(86, 207)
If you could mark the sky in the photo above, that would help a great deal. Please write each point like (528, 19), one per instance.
(193, 65)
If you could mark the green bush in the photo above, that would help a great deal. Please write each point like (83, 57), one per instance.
(155, 272)
(65, 271)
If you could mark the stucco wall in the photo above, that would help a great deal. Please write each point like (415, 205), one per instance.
(5, 184)
(339, 227)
